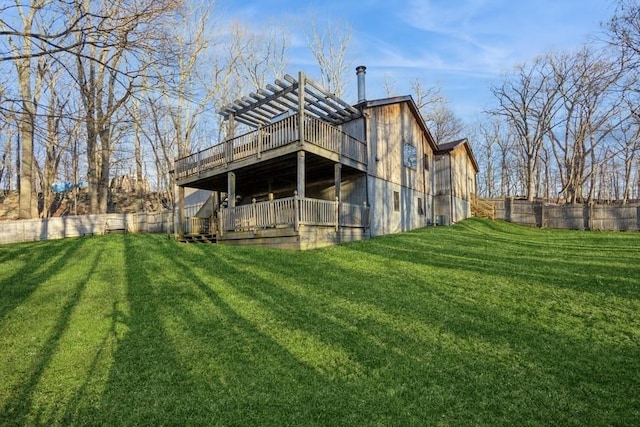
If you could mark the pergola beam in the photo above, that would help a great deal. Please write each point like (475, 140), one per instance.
(262, 106)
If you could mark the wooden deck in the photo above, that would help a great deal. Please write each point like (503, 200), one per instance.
(292, 222)
(269, 141)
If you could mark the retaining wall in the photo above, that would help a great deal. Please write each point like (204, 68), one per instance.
(72, 226)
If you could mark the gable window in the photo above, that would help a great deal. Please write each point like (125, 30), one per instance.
(396, 201)
(426, 161)
(409, 156)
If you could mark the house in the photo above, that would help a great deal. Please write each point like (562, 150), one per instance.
(455, 178)
(311, 170)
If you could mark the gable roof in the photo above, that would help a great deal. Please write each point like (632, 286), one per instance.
(450, 146)
(412, 107)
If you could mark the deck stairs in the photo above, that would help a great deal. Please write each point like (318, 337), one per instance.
(481, 208)
(198, 238)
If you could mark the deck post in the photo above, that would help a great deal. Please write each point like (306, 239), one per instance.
(259, 155)
(215, 200)
(301, 84)
(228, 145)
(254, 214)
(300, 186)
(231, 189)
(180, 225)
(271, 220)
(296, 211)
(337, 213)
(337, 173)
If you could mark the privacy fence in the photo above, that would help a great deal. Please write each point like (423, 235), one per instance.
(71, 226)
(575, 217)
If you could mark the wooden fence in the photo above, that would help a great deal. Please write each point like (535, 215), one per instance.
(574, 217)
(29, 230)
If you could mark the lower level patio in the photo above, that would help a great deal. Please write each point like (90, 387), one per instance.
(292, 222)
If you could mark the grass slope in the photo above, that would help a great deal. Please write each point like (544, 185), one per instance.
(482, 323)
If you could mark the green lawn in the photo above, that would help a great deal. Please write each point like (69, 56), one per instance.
(482, 323)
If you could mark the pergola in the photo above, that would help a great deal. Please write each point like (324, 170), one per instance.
(286, 97)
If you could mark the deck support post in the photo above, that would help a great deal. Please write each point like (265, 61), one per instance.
(337, 173)
(301, 175)
(215, 200)
(259, 154)
(296, 211)
(181, 219)
(231, 189)
(228, 145)
(301, 84)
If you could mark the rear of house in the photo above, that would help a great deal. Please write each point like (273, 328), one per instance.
(313, 170)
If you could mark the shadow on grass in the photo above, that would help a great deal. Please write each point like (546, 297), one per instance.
(187, 357)
(19, 409)
(569, 260)
(147, 383)
(309, 366)
(369, 333)
(37, 266)
(509, 356)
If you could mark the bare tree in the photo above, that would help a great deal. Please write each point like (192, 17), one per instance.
(29, 80)
(438, 115)
(626, 143)
(60, 35)
(183, 83)
(109, 70)
(485, 145)
(6, 138)
(590, 111)
(330, 47)
(528, 100)
(623, 30)
(258, 54)
(54, 143)
(389, 85)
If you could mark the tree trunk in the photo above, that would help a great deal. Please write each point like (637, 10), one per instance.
(103, 180)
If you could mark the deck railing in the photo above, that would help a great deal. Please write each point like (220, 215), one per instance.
(195, 225)
(270, 137)
(293, 211)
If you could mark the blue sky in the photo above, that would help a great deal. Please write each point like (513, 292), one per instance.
(461, 45)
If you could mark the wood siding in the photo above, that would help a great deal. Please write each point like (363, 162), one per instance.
(389, 127)
(455, 183)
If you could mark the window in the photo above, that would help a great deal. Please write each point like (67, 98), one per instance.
(426, 161)
(396, 201)
(420, 207)
(409, 156)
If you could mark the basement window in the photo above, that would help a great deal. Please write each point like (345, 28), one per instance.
(396, 201)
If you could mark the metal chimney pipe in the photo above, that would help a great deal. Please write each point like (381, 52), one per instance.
(360, 72)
